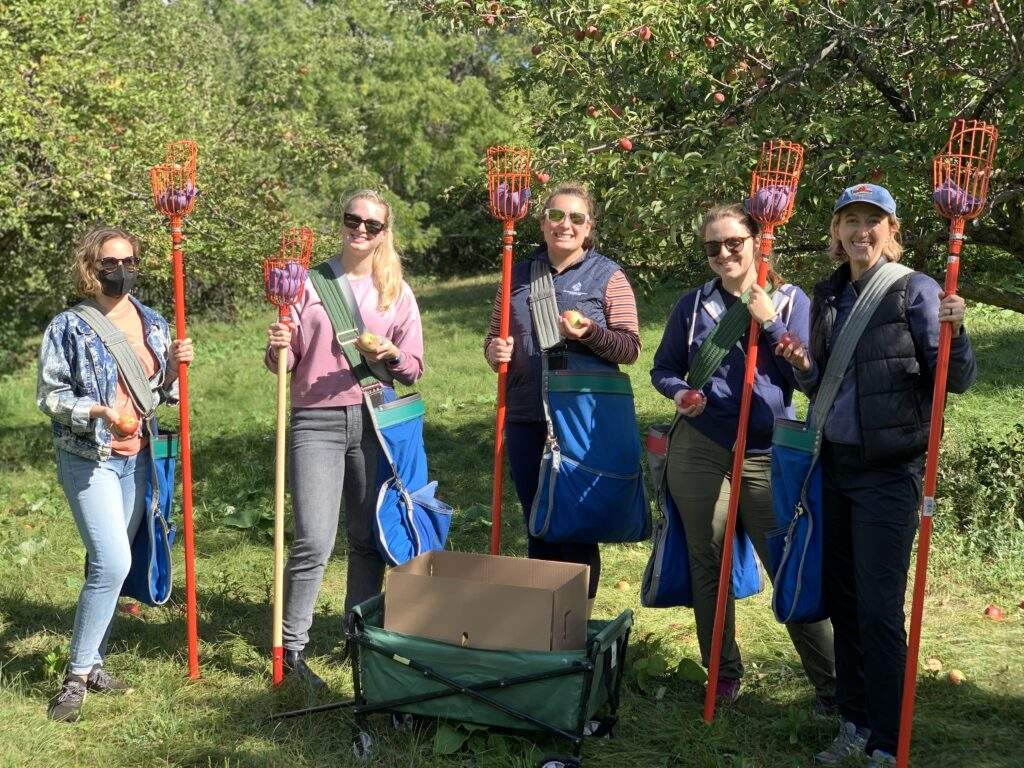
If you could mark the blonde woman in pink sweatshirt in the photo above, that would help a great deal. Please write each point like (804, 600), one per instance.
(332, 448)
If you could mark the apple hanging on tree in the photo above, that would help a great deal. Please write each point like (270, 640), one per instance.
(710, 41)
(625, 144)
(644, 33)
(543, 177)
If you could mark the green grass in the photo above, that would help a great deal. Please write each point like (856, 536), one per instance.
(218, 720)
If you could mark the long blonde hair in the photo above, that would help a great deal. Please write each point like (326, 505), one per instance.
(892, 250)
(87, 256)
(386, 265)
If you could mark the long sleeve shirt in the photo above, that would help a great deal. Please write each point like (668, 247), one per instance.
(922, 307)
(693, 319)
(321, 375)
(619, 343)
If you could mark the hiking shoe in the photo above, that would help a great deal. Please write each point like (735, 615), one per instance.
(825, 705)
(66, 706)
(295, 667)
(727, 690)
(100, 681)
(850, 741)
(881, 759)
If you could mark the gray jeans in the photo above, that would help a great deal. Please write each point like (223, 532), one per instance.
(699, 475)
(333, 455)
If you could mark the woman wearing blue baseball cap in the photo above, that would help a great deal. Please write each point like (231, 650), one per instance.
(873, 450)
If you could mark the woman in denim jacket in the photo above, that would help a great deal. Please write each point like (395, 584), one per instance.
(102, 457)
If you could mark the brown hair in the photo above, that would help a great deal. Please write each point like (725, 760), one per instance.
(87, 256)
(386, 264)
(579, 191)
(893, 250)
(738, 212)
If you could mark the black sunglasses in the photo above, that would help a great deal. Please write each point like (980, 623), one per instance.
(556, 215)
(713, 247)
(109, 264)
(373, 227)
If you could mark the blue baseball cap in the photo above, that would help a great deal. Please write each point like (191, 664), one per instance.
(872, 194)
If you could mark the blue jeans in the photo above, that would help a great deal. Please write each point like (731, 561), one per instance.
(106, 500)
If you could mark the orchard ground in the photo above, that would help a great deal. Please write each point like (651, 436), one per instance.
(220, 719)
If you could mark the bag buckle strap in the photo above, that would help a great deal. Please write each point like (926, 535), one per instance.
(346, 337)
(374, 393)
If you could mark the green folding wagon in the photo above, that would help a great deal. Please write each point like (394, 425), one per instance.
(570, 695)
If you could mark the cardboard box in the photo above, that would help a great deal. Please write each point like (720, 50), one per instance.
(488, 601)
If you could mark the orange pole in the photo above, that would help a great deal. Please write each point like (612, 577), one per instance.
(499, 422)
(739, 451)
(956, 238)
(191, 619)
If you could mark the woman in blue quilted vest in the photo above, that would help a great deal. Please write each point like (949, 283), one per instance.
(102, 457)
(605, 335)
(700, 454)
(872, 458)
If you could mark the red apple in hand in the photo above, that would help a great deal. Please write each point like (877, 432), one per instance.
(790, 339)
(573, 318)
(690, 398)
(127, 424)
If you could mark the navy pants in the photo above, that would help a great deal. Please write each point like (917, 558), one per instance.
(870, 519)
(524, 445)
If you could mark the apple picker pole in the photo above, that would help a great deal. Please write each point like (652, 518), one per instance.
(772, 196)
(284, 276)
(508, 187)
(960, 176)
(174, 195)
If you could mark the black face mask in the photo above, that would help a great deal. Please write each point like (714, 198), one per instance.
(119, 282)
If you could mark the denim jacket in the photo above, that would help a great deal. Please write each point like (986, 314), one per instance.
(76, 371)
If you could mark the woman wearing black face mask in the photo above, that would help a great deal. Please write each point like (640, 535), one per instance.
(102, 457)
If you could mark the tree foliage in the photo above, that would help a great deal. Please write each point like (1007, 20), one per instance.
(869, 88)
(292, 104)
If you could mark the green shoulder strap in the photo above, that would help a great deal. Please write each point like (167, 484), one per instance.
(715, 347)
(346, 330)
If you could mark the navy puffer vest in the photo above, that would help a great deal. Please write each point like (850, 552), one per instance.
(580, 287)
(894, 387)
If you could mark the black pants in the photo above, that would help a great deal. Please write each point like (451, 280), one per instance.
(524, 445)
(870, 519)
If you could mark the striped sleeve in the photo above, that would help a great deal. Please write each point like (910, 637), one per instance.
(495, 325)
(620, 341)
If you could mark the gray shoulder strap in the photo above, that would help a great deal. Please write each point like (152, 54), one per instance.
(543, 305)
(846, 342)
(120, 348)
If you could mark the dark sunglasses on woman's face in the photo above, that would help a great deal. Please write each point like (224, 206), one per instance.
(373, 227)
(110, 264)
(734, 244)
(556, 215)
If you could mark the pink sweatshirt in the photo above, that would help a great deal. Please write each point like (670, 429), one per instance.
(321, 376)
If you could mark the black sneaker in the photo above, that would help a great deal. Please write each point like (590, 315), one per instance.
(295, 667)
(66, 706)
(99, 681)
